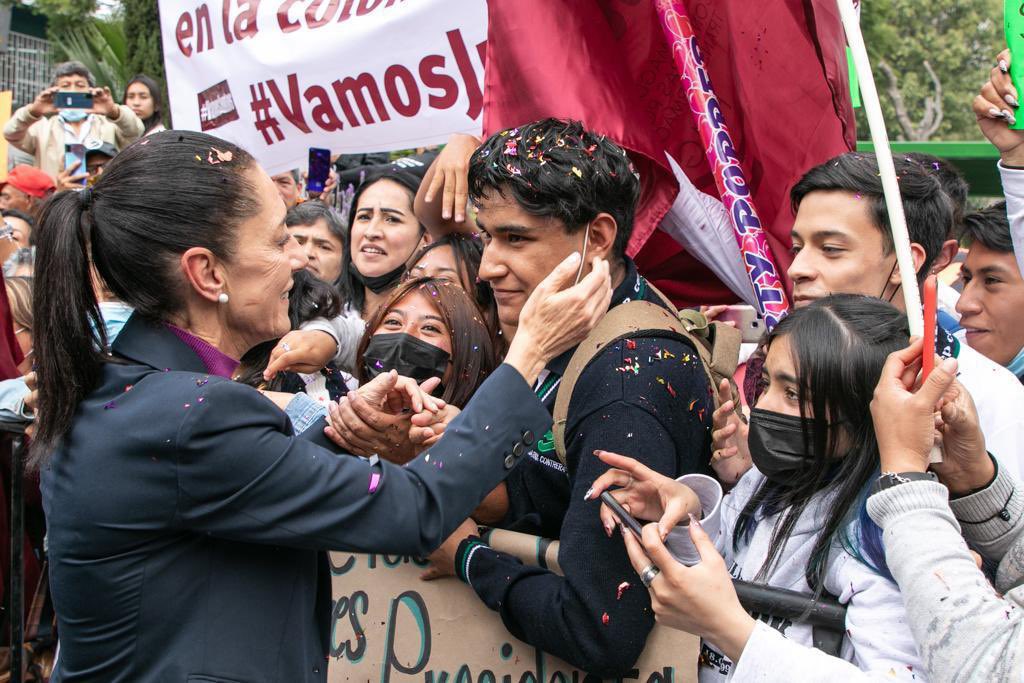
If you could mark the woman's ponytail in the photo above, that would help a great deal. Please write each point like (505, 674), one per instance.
(70, 344)
(159, 197)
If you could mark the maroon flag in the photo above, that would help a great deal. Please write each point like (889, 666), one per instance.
(779, 70)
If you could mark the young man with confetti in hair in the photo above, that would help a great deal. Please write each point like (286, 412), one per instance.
(541, 192)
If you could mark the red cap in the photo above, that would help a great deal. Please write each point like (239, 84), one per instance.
(30, 180)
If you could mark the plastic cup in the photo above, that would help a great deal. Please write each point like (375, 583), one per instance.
(709, 491)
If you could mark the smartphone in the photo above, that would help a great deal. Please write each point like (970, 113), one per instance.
(319, 169)
(73, 153)
(621, 513)
(930, 294)
(73, 100)
(748, 321)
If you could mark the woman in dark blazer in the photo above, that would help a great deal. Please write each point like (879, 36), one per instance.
(186, 522)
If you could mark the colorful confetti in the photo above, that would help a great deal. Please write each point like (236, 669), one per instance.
(605, 619)
(623, 587)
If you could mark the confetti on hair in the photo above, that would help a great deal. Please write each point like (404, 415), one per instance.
(513, 170)
(671, 391)
(221, 156)
(202, 382)
(129, 388)
(577, 172)
(512, 148)
(605, 618)
(630, 344)
(692, 404)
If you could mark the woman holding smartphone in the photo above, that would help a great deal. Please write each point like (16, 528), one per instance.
(797, 520)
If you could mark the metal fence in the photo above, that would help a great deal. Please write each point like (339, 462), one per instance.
(25, 67)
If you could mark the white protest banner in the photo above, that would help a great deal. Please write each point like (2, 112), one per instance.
(279, 76)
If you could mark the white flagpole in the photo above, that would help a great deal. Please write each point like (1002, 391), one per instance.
(894, 203)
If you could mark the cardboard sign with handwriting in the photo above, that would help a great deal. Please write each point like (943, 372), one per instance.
(389, 626)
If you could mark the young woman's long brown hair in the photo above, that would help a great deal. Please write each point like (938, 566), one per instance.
(473, 354)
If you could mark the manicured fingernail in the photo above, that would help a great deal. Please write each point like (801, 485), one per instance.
(574, 257)
(608, 530)
(446, 214)
(694, 521)
(1008, 115)
(995, 113)
(1011, 100)
(1003, 66)
(588, 494)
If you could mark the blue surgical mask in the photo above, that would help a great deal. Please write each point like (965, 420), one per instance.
(115, 315)
(1016, 366)
(73, 115)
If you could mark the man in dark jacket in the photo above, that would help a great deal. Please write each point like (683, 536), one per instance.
(543, 191)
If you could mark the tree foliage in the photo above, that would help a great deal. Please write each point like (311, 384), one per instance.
(101, 46)
(142, 30)
(934, 56)
(62, 15)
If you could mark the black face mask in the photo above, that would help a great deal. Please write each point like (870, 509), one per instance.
(776, 444)
(410, 356)
(379, 283)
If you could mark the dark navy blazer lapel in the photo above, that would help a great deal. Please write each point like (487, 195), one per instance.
(154, 345)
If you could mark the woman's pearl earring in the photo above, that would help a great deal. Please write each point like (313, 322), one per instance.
(222, 297)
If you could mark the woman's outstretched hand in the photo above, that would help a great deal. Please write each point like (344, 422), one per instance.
(698, 599)
(730, 457)
(644, 493)
(558, 315)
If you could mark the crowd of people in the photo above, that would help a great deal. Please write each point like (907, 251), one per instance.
(225, 376)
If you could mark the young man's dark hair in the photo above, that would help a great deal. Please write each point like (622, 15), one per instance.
(990, 227)
(953, 184)
(558, 169)
(308, 213)
(73, 68)
(928, 209)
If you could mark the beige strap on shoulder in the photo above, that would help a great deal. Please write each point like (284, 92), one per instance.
(622, 321)
(717, 345)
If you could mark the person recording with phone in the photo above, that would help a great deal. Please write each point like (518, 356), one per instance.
(72, 111)
(797, 520)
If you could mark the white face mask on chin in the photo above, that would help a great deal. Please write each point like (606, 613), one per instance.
(583, 255)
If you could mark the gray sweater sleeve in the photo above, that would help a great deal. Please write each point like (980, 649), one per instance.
(964, 629)
(993, 522)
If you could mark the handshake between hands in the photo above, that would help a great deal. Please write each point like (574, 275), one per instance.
(391, 416)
